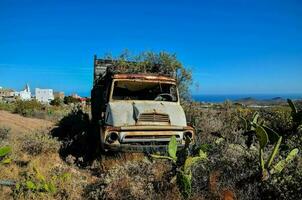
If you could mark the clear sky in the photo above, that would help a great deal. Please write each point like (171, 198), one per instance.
(233, 47)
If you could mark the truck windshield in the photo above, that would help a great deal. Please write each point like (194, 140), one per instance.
(144, 90)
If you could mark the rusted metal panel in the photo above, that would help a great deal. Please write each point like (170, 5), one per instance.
(148, 128)
(126, 113)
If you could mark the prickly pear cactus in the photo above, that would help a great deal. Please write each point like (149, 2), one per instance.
(274, 153)
(184, 182)
(296, 115)
(172, 148)
(282, 164)
(262, 136)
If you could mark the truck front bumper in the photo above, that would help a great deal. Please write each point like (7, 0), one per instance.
(138, 148)
(143, 138)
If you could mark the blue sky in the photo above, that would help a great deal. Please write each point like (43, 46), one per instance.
(233, 47)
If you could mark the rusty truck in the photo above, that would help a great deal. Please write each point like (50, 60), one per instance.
(136, 111)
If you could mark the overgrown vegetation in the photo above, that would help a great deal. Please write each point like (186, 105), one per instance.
(225, 162)
(162, 63)
(54, 112)
(182, 164)
(7, 106)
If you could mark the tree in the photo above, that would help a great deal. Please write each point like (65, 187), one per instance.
(162, 63)
(56, 102)
(70, 99)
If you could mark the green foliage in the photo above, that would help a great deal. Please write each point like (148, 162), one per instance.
(27, 108)
(70, 99)
(5, 150)
(262, 136)
(263, 132)
(184, 181)
(239, 168)
(292, 106)
(277, 168)
(190, 161)
(255, 119)
(273, 154)
(296, 114)
(172, 148)
(279, 119)
(183, 169)
(159, 63)
(265, 135)
(273, 136)
(7, 106)
(286, 184)
(36, 182)
(57, 102)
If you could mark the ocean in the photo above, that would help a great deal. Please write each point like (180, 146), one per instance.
(218, 98)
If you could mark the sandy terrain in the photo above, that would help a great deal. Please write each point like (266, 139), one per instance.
(19, 123)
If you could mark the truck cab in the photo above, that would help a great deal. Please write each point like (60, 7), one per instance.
(136, 112)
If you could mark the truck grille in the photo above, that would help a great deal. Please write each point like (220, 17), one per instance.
(150, 137)
(153, 117)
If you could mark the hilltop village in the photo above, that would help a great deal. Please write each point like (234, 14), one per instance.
(42, 95)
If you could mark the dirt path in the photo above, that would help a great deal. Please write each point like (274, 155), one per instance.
(20, 124)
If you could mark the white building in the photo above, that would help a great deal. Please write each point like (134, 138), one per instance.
(44, 95)
(24, 94)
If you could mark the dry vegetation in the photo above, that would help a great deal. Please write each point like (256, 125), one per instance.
(51, 160)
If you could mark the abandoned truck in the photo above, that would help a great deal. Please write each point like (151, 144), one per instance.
(136, 112)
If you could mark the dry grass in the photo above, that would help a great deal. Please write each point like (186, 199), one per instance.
(33, 148)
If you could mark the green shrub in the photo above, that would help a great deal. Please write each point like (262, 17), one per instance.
(70, 99)
(7, 106)
(73, 131)
(210, 123)
(278, 119)
(34, 184)
(57, 102)
(27, 108)
(286, 185)
(182, 163)
(4, 152)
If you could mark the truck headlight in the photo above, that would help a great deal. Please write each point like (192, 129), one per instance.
(188, 134)
(112, 137)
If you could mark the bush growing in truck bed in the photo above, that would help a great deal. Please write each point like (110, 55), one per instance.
(162, 63)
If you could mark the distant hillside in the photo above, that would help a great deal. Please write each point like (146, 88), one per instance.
(253, 101)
